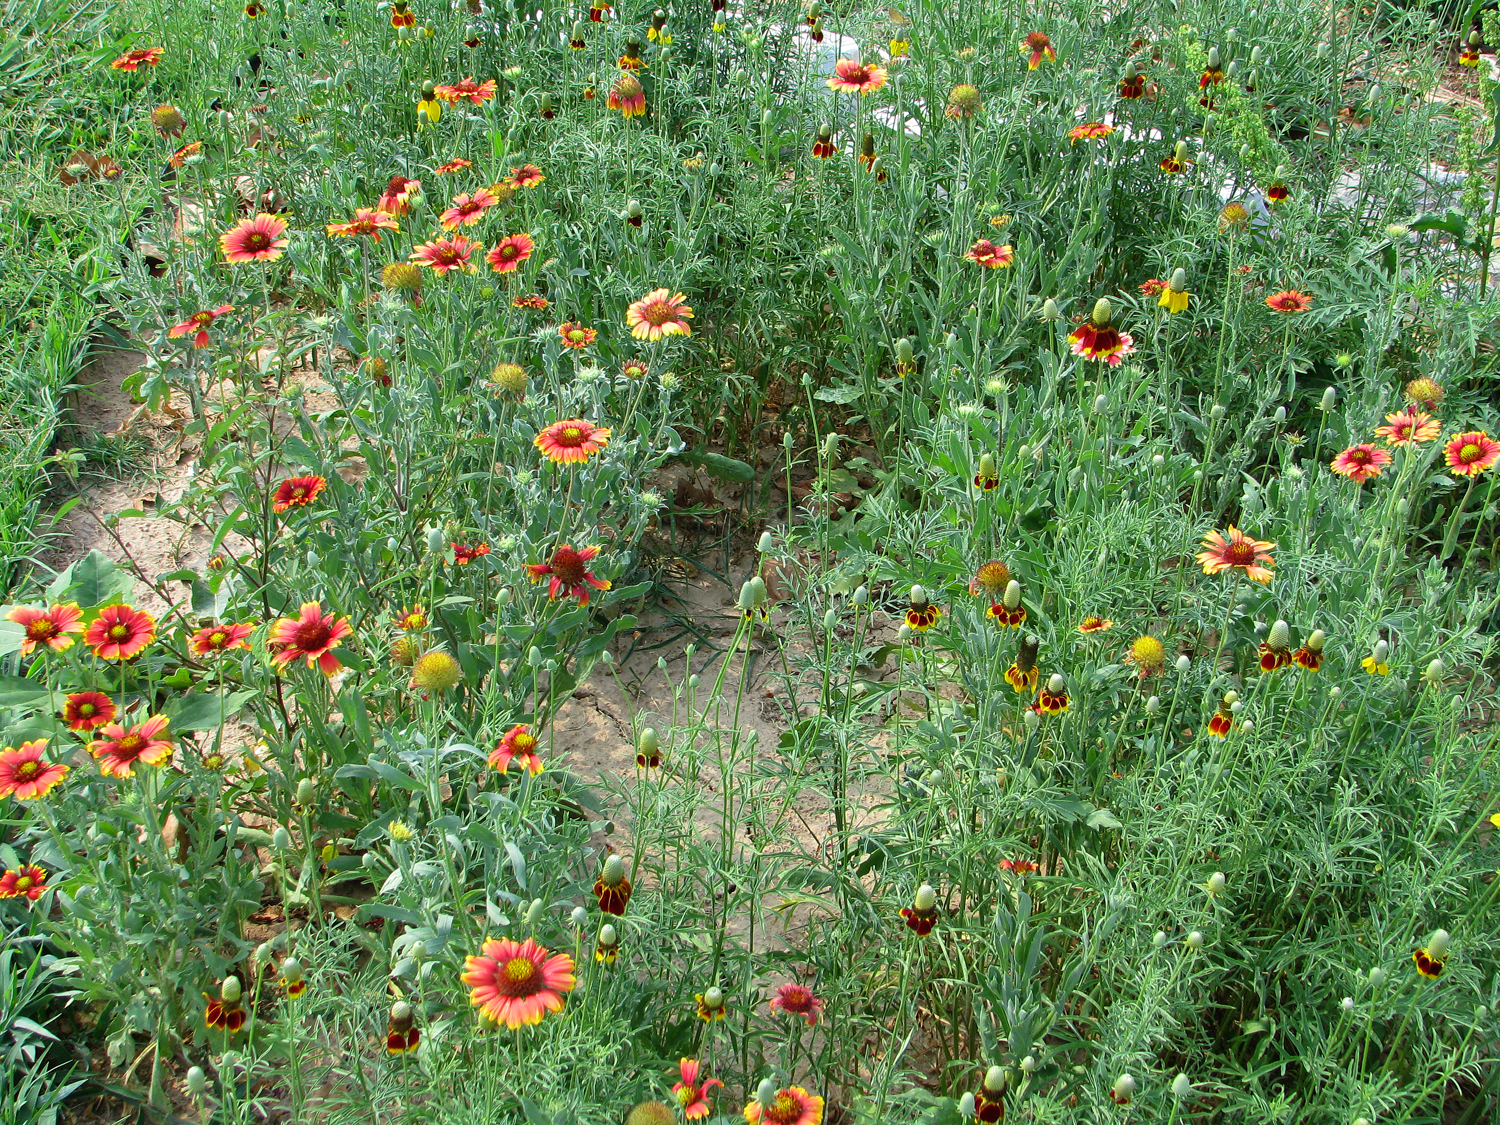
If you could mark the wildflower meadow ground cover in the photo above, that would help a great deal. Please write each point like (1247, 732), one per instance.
(1084, 415)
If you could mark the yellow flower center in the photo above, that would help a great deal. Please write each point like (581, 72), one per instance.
(519, 970)
(24, 883)
(1470, 452)
(27, 770)
(86, 710)
(216, 640)
(119, 632)
(524, 743)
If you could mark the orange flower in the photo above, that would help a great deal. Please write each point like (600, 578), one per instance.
(509, 253)
(691, 1094)
(792, 1105)
(221, 638)
(367, 220)
(28, 882)
(1095, 625)
(312, 634)
(1409, 426)
(1361, 462)
(1471, 453)
(1092, 131)
(396, 199)
(850, 77)
(657, 315)
(797, 1000)
(575, 336)
(254, 240)
(990, 256)
(199, 322)
(569, 573)
(25, 774)
(527, 176)
(518, 745)
(1039, 47)
(410, 620)
(1289, 301)
(452, 166)
(297, 492)
(48, 627)
(476, 92)
(627, 96)
(1237, 549)
(529, 301)
(120, 632)
(517, 983)
(463, 554)
(86, 710)
(179, 158)
(444, 254)
(118, 750)
(133, 60)
(468, 209)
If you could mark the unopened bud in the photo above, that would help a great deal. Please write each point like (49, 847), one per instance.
(534, 912)
(765, 1093)
(1153, 705)
(1182, 1087)
(861, 595)
(1050, 310)
(967, 1110)
(579, 917)
(1280, 416)
(1216, 883)
(435, 540)
(281, 839)
(764, 546)
(1330, 398)
(1216, 412)
(1101, 404)
(197, 1081)
(307, 792)
(1194, 940)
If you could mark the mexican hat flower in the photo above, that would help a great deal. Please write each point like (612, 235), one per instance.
(791, 1105)
(518, 745)
(1133, 83)
(134, 60)
(568, 574)
(199, 323)
(468, 209)
(1174, 295)
(1431, 958)
(507, 255)
(711, 1006)
(1098, 339)
(1053, 698)
(367, 221)
(25, 774)
(627, 96)
(576, 336)
(120, 632)
(612, 888)
(1038, 47)
(631, 59)
(1471, 453)
(444, 254)
(517, 983)
(1275, 650)
(221, 638)
(1377, 663)
(1090, 131)
(254, 240)
(1309, 653)
(1289, 301)
(658, 314)
(402, 15)
(1022, 674)
(452, 166)
(85, 710)
(527, 176)
(851, 77)
(990, 256)
(1008, 611)
(922, 914)
(51, 627)
(398, 194)
(692, 1091)
(401, 1033)
(118, 749)
(1222, 720)
(28, 882)
(312, 635)
(1407, 427)
(1094, 624)
(797, 1000)
(1236, 549)
(921, 614)
(476, 92)
(1361, 462)
(571, 442)
(1177, 162)
(297, 492)
(823, 148)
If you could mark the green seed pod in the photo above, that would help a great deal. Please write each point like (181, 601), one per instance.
(1102, 312)
(1179, 282)
(230, 991)
(926, 897)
